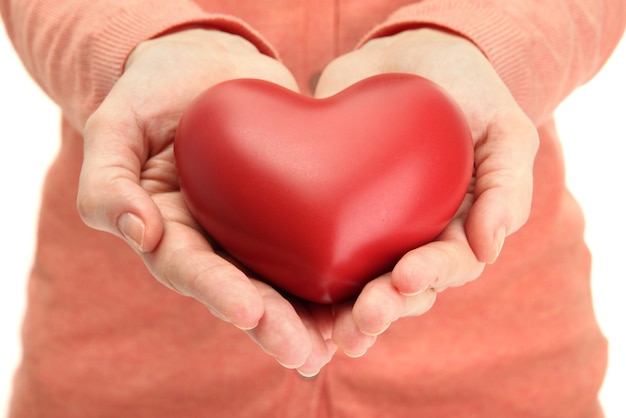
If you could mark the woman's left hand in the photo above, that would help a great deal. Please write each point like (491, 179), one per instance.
(497, 204)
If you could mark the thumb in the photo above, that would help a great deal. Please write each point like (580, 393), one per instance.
(504, 185)
(110, 197)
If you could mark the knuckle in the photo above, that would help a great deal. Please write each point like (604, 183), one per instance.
(88, 206)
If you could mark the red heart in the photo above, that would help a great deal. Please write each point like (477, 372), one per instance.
(319, 196)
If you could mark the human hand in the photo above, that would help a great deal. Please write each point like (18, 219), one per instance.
(497, 204)
(128, 187)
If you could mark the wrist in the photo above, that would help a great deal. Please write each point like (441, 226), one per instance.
(423, 51)
(195, 37)
(423, 36)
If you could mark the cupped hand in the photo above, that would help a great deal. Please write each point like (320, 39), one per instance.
(497, 203)
(128, 187)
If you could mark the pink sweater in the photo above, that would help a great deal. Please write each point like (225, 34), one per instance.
(103, 339)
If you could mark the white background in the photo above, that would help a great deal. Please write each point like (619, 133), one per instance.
(591, 122)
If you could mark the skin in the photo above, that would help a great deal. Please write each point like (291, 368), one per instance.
(128, 185)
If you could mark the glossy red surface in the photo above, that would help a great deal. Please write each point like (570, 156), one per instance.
(319, 196)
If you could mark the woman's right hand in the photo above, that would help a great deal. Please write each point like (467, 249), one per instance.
(128, 187)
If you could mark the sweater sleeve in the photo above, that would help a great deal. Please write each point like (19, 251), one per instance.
(542, 49)
(76, 49)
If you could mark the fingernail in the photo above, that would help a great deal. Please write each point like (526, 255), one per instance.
(308, 375)
(287, 366)
(133, 230)
(499, 241)
(352, 355)
(246, 327)
(378, 332)
(420, 291)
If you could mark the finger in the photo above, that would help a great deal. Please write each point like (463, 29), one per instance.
(380, 304)
(281, 333)
(504, 184)
(185, 262)
(110, 197)
(346, 333)
(318, 321)
(446, 262)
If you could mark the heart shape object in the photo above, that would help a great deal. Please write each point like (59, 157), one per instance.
(319, 196)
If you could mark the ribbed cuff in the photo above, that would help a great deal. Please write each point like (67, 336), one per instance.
(494, 32)
(136, 22)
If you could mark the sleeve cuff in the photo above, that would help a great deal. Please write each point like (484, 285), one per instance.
(132, 25)
(494, 32)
